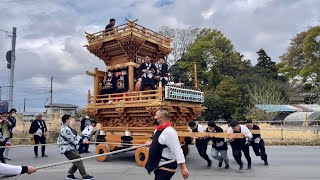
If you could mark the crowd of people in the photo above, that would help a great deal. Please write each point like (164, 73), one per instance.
(238, 145)
(150, 73)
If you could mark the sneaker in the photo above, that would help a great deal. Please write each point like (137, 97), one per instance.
(266, 163)
(227, 167)
(36, 157)
(87, 177)
(249, 166)
(220, 163)
(209, 164)
(8, 159)
(71, 176)
(44, 155)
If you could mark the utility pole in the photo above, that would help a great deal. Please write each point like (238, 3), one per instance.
(13, 57)
(51, 98)
(24, 105)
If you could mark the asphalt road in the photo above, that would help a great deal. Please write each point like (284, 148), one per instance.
(286, 162)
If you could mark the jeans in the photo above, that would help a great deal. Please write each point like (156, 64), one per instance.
(6, 151)
(83, 147)
(223, 155)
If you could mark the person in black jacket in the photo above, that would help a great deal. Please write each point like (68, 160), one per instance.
(149, 70)
(219, 145)
(109, 84)
(201, 143)
(38, 129)
(86, 121)
(257, 142)
(163, 74)
(13, 121)
(109, 27)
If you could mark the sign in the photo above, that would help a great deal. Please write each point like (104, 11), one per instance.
(180, 94)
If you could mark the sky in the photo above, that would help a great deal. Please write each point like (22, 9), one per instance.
(50, 36)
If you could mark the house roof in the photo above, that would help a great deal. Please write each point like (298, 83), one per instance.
(308, 107)
(302, 116)
(61, 105)
(277, 108)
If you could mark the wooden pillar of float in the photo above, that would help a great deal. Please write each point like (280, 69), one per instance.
(131, 78)
(160, 91)
(89, 96)
(195, 74)
(96, 85)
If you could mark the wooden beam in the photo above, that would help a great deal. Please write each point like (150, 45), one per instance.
(90, 73)
(121, 65)
(218, 135)
(96, 85)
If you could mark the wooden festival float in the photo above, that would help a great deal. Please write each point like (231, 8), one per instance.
(127, 118)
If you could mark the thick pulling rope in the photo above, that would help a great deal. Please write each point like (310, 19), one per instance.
(32, 145)
(80, 159)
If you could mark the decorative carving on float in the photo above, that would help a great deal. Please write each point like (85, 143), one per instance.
(181, 121)
(131, 46)
(140, 122)
(151, 110)
(114, 122)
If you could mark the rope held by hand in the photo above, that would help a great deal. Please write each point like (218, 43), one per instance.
(84, 158)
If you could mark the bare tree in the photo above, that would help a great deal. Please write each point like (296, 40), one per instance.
(182, 39)
(266, 95)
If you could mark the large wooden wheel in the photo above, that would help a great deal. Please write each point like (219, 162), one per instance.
(101, 149)
(141, 156)
(185, 149)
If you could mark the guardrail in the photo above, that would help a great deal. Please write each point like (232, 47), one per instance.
(128, 27)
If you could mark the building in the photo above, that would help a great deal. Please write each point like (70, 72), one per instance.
(61, 109)
(30, 116)
(4, 105)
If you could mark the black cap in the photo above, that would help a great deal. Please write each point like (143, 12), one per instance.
(249, 121)
(13, 109)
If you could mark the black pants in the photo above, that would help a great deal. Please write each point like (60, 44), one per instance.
(236, 151)
(38, 140)
(259, 150)
(2, 151)
(150, 83)
(163, 174)
(202, 146)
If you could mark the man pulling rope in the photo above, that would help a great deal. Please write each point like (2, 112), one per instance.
(68, 141)
(15, 169)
